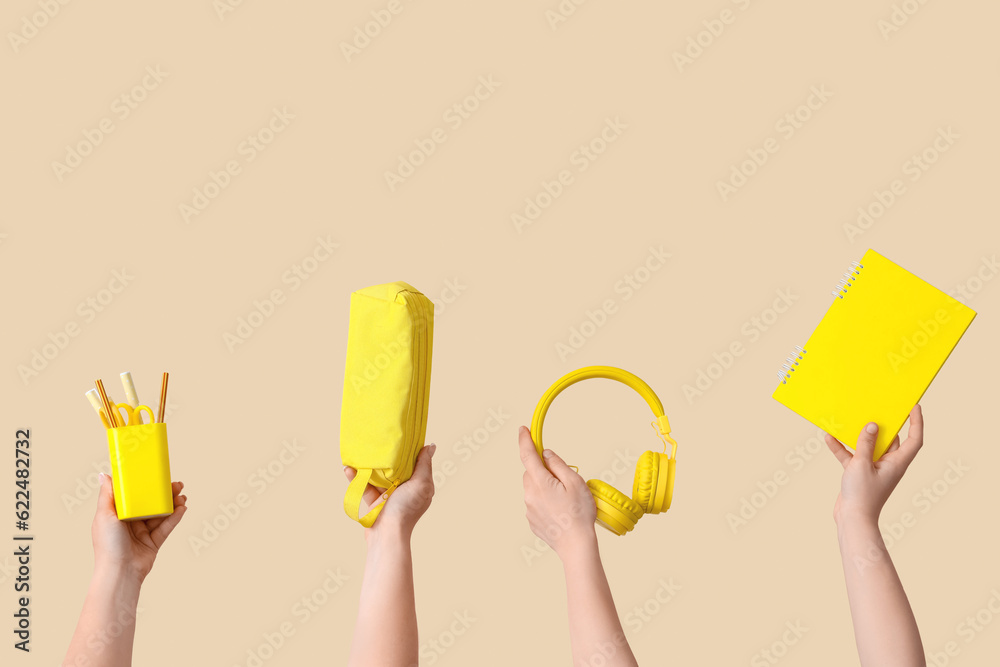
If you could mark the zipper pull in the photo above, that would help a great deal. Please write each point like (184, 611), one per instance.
(392, 487)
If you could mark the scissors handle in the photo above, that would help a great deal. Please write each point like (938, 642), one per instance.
(133, 416)
(118, 407)
(137, 410)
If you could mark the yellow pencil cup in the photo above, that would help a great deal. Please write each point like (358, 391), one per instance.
(140, 471)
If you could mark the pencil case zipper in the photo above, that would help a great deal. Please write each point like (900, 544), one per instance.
(416, 303)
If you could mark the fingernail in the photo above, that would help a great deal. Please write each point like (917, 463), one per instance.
(433, 449)
(872, 428)
(547, 453)
(100, 477)
(521, 429)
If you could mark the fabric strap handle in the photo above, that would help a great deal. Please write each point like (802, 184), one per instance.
(352, 501)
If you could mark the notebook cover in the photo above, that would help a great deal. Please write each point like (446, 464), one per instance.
(872, 357)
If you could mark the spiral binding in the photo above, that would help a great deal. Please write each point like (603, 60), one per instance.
(791, 360)
(849, 277)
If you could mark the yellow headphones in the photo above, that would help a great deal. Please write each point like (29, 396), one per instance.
(653, 487)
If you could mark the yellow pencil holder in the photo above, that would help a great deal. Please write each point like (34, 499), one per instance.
(140, 471)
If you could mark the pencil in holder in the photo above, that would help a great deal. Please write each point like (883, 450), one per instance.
(140, 471)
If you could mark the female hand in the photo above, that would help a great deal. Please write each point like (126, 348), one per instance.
(130, 547)
(407, 503)
(560, 507)
(866, 485)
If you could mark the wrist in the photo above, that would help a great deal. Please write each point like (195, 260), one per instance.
(853, 517)
(118, 573)
(862, 546)
(117, 582)
(389, 534)
(578, 545)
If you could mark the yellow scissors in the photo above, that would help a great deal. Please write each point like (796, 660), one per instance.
(133, 416)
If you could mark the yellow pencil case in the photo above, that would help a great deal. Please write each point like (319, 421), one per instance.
(140, 471)
(387, 376)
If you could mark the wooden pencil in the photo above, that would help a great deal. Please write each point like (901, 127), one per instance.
(163, 398)
(107, 404)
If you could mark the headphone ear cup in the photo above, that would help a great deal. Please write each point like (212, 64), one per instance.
(644, 484)
(615, 511)
(653, 487)
(665, 486)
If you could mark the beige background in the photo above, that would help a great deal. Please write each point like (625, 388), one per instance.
(520, 294)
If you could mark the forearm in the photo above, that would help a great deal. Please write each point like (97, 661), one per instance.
(884, 627)
(106, 629)
(594, 627)
(386, 631)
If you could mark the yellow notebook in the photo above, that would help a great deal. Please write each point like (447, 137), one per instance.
(875, 352)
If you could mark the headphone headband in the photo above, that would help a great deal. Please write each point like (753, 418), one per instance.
(607, 372)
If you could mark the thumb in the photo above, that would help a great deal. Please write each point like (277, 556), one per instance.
(106, 496)
(866, 442)
(422, 468)
(422, 479)
(558, 467)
